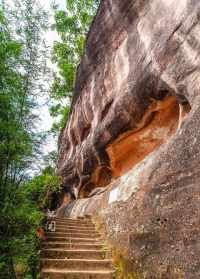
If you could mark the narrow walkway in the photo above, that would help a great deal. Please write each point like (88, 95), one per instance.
(75, 250)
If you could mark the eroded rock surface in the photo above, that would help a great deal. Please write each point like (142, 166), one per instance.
(135, 127)
(138, 53)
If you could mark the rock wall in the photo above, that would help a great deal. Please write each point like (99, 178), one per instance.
(136, 54)
(134, 130)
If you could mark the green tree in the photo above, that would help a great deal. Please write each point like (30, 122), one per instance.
(21, 67)
(15, 141)
(29, 23)
(72, 26)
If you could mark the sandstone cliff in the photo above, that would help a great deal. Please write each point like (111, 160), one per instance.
(134, 130)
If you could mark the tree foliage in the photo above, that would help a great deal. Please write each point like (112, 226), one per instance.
(72, 26)
(15, 141)
(23, 66)
(21, 216)
(21, 202)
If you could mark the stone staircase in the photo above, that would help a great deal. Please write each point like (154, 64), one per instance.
(75, 250)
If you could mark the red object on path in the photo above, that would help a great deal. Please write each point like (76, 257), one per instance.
(41, 233)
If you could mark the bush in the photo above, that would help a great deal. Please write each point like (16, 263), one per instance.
(22, 215)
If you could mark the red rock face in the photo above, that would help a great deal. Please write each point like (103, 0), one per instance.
(134, 129)
(129, 65)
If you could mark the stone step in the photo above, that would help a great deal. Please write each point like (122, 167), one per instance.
(75, 234)
(88, 216)
(70, 221)
(77, 264)
(71, 274)
(64, 245)
(86, 225)
(72, 239)
(83, 228)
(72, 254)
(74, 230)
(74, 251)
(70, 225)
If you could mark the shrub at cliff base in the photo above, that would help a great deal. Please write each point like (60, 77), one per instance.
(19, 221)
